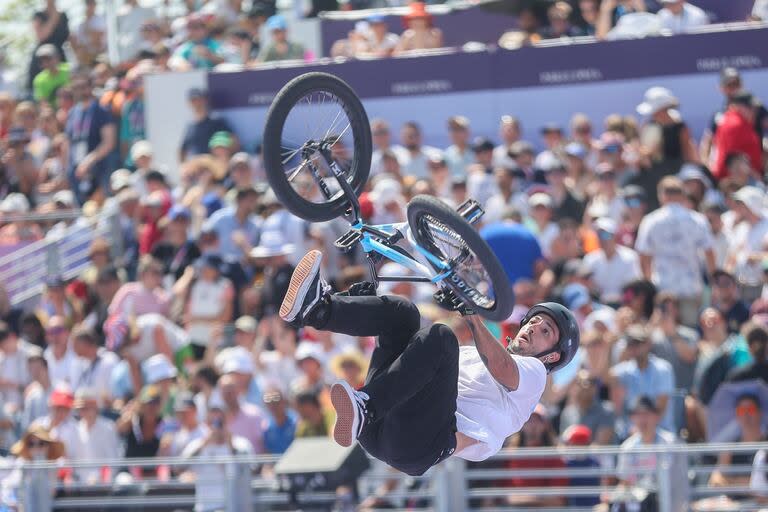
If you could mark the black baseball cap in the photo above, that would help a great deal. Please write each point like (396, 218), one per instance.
(196, 92)
(729, 75)
(482, 144)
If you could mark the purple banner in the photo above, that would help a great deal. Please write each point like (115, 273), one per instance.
(502, 69)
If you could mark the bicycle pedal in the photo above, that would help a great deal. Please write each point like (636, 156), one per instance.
(348, 240)
(471, 210)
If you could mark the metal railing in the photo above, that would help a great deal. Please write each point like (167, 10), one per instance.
(453, 486)
(64, 252)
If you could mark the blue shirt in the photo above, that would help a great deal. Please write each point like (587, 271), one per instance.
(226, 224)
(198, 134)
(656, 379)
(515, 246)
(84, 126)
(277, 438)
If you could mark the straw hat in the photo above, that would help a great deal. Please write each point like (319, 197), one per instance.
(21, 448)
(354, 357)
(205, 161)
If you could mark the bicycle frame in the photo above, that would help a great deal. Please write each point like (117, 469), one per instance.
(376, 239)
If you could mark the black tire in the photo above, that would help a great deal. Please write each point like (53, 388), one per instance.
(423, 211)
(360, 167)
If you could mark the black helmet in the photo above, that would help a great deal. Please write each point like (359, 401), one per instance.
(568, 343)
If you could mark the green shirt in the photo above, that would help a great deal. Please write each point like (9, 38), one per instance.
(46, 83)
(269, 53)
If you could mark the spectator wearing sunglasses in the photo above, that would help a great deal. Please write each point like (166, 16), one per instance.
(748, 414)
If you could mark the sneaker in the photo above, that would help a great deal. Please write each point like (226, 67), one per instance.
(306, 289)
(351, 412)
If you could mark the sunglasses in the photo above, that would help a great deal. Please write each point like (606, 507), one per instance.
(55, 330)
(36, 443)
(746, 410)
(604, 236)
(607, 176)
(633, 202)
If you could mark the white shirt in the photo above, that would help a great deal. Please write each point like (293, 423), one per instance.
(691, 17)
(95, 443)
(758, 483)
(457, 160)
(485, 410)
(293, 229)
(184, 437)
(66, 370)
(97, 374)
(129, 22)
(674, 236)
(610, 275)
(279, 370)
(415, 165)
(145, 347)
(211, 480)
(66, 431)
(481, 186)
(747, 239)
(13, 367)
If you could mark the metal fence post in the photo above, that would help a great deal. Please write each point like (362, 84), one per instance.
(450, 486)
(663, 482)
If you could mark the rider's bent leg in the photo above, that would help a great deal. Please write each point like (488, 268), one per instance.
(415, 398)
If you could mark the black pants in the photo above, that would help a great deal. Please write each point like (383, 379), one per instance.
(412, 380)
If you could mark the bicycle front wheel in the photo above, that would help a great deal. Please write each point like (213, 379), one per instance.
(477, 277)
(316, 127)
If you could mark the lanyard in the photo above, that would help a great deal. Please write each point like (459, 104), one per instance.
(82, 128)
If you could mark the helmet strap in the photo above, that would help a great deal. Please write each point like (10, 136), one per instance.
(549, 357)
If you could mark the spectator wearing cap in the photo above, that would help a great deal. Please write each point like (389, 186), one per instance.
(100, 258)
(524, 155)
(643, 373)
(238, 362)
(388, 202)
(510, 131)
(58, 419)
(199, 131)
(56, 302)
(612, 266)
(697, 186)
(200, 51)
(92, 134)
(14, 369)
(735, 134)
(176, 251)
(239, 48)
(420, 33)
(280, 47)
(311, 360)
(537, 432)
(190, 429)
(725, 298)
(584, 408)
(237, 227)
(50, 26)
(17, 231)
(355, 44)
(246, 332)
(96, 436)
(553, 136)
(645, 416)
(747, 248)
(671, 140)
(239, 172)
(209, 304)
(54, 74)
(96, 373)
(679, 16)
(665, 234)
(635, 208)
(730, 85)
(539, 221)
(272, 256)
(559, 18)
(280, 423)
(141, 425)
(458, 155)
(581, 436)
(481, 183)
(145, 295)
(381, 42)
(63, 364)
(221, 146)
(413, 155)
(213, 480)
(242, 418)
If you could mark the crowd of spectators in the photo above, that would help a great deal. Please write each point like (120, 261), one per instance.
(168, 344)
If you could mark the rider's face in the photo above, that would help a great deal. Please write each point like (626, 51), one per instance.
(539, 335)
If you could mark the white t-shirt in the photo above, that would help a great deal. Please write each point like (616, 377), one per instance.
(211, 480)
(745, 241)
(98, 373)
(65, 370)
(611, 275)
(98, 442)
(145, 347)
(485, 410)
(207, 300)
(691, 17)
(184, 437)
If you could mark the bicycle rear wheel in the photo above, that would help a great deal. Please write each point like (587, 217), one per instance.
(314, 116)
(477, 277)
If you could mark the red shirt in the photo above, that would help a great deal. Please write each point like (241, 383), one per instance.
(736, 135)
(537, 463)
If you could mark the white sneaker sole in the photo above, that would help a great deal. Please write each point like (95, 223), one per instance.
(298, 288)
(347, 421)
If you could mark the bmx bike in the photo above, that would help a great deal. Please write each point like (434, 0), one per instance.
(317, 155)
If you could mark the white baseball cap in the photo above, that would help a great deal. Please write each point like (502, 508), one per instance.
(158, 368)
(655, 99)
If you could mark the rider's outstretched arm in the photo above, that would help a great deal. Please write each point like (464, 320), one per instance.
(499, 362)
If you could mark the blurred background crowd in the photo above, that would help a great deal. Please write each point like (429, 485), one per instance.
(171, 346)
